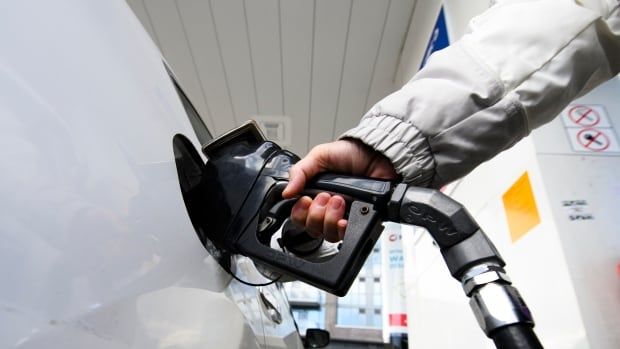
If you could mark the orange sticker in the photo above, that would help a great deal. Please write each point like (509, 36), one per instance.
(520, 206)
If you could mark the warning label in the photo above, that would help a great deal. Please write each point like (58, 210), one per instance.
(589, 129)
(581, 115)
(593, 140)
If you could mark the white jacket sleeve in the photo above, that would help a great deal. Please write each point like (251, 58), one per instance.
(520, 64)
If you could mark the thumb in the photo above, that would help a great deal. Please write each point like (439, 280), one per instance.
(299, 174)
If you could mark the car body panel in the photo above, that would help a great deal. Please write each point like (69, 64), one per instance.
(97, 248)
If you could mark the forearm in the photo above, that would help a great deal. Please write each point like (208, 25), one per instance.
(519, 65)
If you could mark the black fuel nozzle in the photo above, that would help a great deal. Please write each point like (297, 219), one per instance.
(237, 206)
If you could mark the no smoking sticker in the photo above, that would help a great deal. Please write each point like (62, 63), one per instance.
(585, 115)
(593, 140)
(589, 129)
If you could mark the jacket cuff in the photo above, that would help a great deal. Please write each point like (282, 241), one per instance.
(401, 142)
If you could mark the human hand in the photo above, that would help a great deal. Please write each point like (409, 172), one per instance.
(323, 215)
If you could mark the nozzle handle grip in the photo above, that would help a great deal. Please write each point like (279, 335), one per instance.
(367, 200)
(334, 275)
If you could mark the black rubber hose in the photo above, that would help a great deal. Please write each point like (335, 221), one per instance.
(518, 336)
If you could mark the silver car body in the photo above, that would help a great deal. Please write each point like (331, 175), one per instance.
(97, 249)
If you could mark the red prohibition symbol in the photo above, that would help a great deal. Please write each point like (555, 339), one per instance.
(593, 139)
(584, 116)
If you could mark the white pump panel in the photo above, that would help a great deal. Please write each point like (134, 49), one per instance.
(566, 264)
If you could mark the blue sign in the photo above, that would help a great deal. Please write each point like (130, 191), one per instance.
(439, 38)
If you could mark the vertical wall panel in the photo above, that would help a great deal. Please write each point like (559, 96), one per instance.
(231, 28)
(330, 33)
(366, 28)
(297, 33)
(264, 32)
(200, 29)
(391, 43)
(173, 43)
